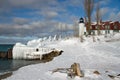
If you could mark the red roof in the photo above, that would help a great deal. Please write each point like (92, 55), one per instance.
(106, 25)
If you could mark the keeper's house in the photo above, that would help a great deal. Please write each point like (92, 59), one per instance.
(107, 27)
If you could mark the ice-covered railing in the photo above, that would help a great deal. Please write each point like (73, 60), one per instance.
(43, 41)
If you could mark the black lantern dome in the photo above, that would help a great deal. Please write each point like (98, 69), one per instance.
(81, 20)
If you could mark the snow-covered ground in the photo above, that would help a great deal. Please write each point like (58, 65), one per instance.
(100, 56)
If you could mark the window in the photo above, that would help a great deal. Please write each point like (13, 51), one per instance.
(115, 27)
(107, 27)
(96, 27)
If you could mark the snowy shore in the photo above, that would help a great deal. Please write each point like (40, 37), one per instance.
(92, 56)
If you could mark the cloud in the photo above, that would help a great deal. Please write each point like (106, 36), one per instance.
(19, 20)
(28, 4)
(42, 20)
(31, 3)
(35, 9)
(49, 14)
(104, 2)
(43, 8)
(36, 28)
(21, 3)
(114, 16)
(13, 40)
(104, 11)
(75, 3)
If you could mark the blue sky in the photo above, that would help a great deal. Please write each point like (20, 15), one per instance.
(21, 20)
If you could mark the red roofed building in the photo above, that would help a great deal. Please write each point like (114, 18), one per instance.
(107, 27)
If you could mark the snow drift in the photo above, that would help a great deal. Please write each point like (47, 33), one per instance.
(92, 56)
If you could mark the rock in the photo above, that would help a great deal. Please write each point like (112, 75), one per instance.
(111, 76)
(73, 71)
(118, 75)
(51, 55)
(77, 70)
(96, 72)
(106, 71)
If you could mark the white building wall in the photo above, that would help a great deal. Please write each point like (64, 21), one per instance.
(111, 31)
(103, 31)
(82, 29)
(95, 32)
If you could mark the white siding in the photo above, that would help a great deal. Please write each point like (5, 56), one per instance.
(103, 31)
(95, 32)
(111, 31)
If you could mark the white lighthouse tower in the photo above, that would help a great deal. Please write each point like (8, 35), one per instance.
(82, 28)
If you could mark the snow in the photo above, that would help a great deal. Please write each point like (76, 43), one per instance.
(92, 56)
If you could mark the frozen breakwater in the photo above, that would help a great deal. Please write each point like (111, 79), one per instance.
(35, 49)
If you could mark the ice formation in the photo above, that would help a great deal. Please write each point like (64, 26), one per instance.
(34, 48)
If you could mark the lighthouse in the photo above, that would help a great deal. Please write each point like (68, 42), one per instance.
(82, 28)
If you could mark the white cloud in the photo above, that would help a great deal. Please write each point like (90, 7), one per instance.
(104, 2)
(49, 14)
(21, 2)
(114, 16)
(19, 20)
(32, 3)
(75, 3)
(110, 13)
(33, 28)
(104, 11)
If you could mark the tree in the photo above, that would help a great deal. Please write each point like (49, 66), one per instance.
(65, 29)
(98, 17)
(60, 28)
(88, 7)
(75, 29)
